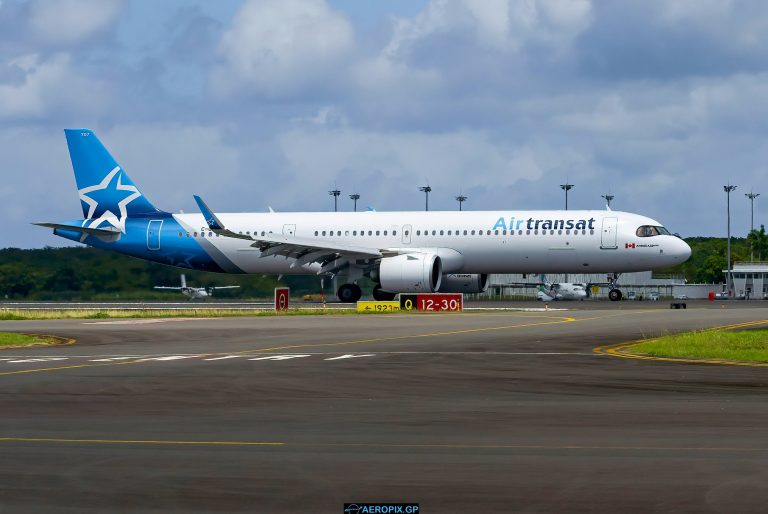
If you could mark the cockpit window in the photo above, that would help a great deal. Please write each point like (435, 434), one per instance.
(650, 231)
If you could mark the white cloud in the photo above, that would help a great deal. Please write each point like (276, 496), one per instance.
(503, 25)
(280, 47)
(50, 86)
(71, 21)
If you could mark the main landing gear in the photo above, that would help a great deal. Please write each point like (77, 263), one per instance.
(349, 293)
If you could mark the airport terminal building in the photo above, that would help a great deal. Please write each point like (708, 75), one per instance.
(750, 280)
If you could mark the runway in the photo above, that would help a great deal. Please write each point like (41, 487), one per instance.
(474, 412)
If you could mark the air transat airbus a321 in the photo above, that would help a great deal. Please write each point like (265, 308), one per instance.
(400, 251)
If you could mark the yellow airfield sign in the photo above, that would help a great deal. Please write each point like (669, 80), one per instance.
(378, 306)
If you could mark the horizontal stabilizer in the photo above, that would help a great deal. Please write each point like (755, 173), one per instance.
(110, 231)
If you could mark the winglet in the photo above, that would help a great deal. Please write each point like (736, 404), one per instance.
(210, 217)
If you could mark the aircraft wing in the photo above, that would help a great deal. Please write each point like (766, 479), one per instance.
(169, 287)
(224, 287)
(303, 249)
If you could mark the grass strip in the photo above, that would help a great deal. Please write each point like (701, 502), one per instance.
(12, 339)
(745, 345)
(30, 314)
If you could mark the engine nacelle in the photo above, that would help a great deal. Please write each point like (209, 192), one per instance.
(411, 273)
(464, 283)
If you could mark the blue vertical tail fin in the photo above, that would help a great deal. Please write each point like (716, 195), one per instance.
(106, 192)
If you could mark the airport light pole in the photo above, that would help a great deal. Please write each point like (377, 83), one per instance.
(426, 190)
(566, 187)
(461, 199)
(751, 197)
(355, 197)
(728, 189)
(608, 199)
(335, 193)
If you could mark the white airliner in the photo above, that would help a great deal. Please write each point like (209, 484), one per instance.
(194, 293)
(400, 251)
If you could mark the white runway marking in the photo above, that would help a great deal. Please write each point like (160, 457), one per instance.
(139, 321)
(279, 357)
(225, 357)
(47, 359)
(349, 356)
(110, 359)
(171, 358)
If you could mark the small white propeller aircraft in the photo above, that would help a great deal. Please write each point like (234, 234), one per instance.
(194, 293)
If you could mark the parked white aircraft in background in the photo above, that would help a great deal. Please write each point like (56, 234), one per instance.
(194, 293)
(561, 291)
(402, 252)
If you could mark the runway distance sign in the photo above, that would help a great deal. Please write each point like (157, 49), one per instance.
(432, 302)
(373, 307)
(282, 296)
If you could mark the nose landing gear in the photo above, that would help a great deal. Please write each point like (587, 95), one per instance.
(614, 294)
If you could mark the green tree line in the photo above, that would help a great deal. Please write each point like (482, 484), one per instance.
(81, 273)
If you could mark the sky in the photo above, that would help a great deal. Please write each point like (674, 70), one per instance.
(261, 103)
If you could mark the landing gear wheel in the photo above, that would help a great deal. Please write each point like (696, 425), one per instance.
(382, 296)
(614, 295)
(349, 293)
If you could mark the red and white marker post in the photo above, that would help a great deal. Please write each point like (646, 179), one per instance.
(282, 296)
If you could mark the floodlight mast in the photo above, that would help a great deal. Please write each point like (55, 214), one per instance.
(335, 193)
(461, 199)
(566, 187)
(426, 190)
(728, 282)
(355, 197)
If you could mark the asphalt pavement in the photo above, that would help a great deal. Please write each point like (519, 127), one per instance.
(476, 412)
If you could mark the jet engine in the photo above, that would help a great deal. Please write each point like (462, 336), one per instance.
(464, 283)
(411, 273)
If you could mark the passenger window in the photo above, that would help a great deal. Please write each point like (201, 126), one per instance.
(465, 232)
(496, 232)
(338, 232)
(394, 232)
(346, 232)
(449, 232)
(181, 234)
(560, 232)
(385, 232)
(315, 232)
(370, 232)
(441, 232)
(434, 232)
(377, 232)
(418, 232)
(323, 232)
(527, 232)
(407, 232)
(473, 232)
(195, 234)
(354, 232)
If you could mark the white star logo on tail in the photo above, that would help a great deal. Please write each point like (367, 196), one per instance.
(116, 220)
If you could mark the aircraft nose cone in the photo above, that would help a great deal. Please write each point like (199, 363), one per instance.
(680, 250)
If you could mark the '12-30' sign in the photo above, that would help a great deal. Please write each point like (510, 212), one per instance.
(432, 302)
